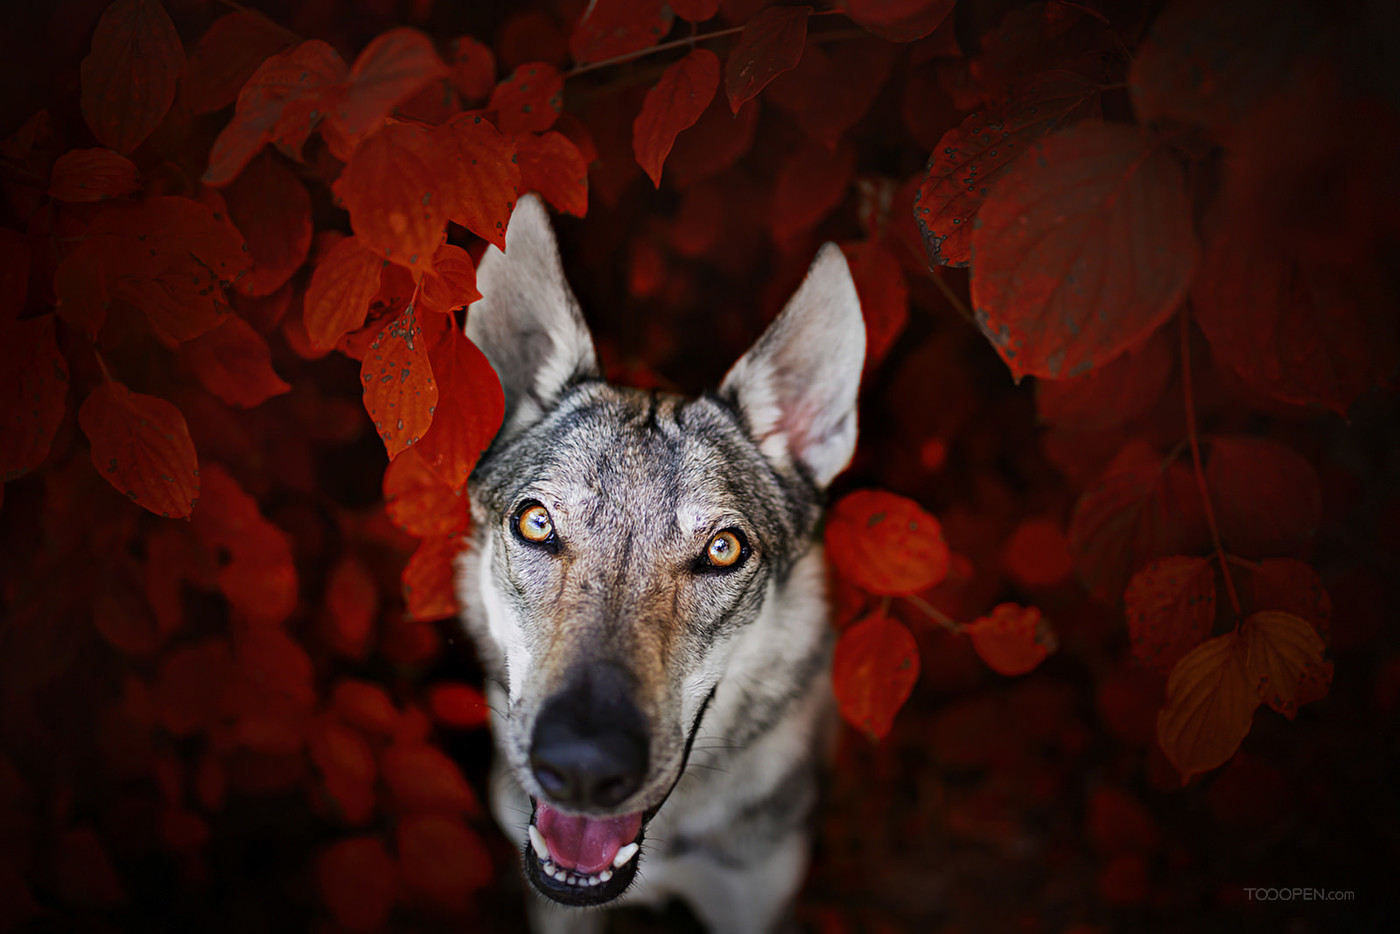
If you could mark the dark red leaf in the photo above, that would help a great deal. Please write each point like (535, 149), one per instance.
(1013, 639)
(33, 386)
(485, 176)
(92, 175)
(612, 28)
(471, 406)
(901, 21)
(352, 600)
(358, 881)
(130, 77)
(1294, 587)
(884, 296)
(1114, 394)
(876, 665)
(392, 68)
(530, 100)
(676, 102)
(398, 190)
(272, 209)
(1267, 498)
(716, 141)
(337, 300)
(421, 778)
(694, 11)
(429, 579)
(442, 859)
(811, 183)
(770, 44)
(141, 446)
(452, 282)
(471, 68)
(553, 166)
(1170, 607)
(234, 363)
(828, 94)
(258, 577)
(458, 705)
(225, 58)
(366, 706)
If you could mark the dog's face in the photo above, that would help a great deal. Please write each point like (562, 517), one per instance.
(626, 541)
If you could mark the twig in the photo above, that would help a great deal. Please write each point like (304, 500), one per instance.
(935, 614)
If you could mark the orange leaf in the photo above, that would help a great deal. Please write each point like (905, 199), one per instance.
(442, 859)
(876, 665)
(92, 175)
(553, 166)
(338, 298)
(485, 176)
(530, 100)
(399, 391)
(417, 499)
(676, 102)
(352, 600)
(1170, 606)
(141, 445)
(272, 209)
(885, 543)
(129, 78)
(392, 68)
(1283, 657)
(359, 882)
(1210, 706)
(1082, 250)
(429, 590)
(458, 705)
(395, 188)
(234, 363)
(226, 56)
(451, 284)
(770, 44)
(421, 778)
(33, 386)
(1013, 640)
(471, 406)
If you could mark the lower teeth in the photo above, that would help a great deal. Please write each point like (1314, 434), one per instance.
(548, 867)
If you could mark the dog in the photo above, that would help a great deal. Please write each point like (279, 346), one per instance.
(645, 586)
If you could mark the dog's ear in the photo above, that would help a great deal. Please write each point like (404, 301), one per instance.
(797, 385)
(528, 323)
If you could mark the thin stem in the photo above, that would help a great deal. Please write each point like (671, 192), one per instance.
(1084, 9)
(643, 53)
(1243, 562)
(935, 614)
(951, 296)
(1196, 459)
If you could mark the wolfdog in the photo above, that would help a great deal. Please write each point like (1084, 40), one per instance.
(645, 586)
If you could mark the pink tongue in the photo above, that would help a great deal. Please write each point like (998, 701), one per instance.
(585, 844)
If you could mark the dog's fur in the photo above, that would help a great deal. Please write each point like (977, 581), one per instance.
(722, 673)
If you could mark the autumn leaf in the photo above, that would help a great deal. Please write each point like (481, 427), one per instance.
(1111, 395)
(272, 209)
(226, 56)
(130, 76)
(884, 296)
(1283, 659)
(771, 43)
(675, 103)
(553, 166)
(358, 882)
(92, 175)
(470, 409)
(886, 544)
(141, 446)
(442, 859)
(530, 100)
(1170, 607)
(1210, 706)
(452, 282)
(396, 190)
(419, 501)
(342, 285)
(828, 94)
(901, 21)
(33, 386)
(400, 393)
(392, 68)
(613, 28)
(258, 576)
(1082, 250)
(1013, 639)
(485, 176)
(365, 705)
(811, 184)
(694, 11)
(352, 604)
(429, 579)
(1267, 497)
(460, 706)
(1294, 587)
(421, 778)
(234, 363)
(876, 665)
(471, 67)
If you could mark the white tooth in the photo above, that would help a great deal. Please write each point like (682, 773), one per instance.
(537, 841)
(561, 874)
(605, 875)
(624, 854)
(593, 880)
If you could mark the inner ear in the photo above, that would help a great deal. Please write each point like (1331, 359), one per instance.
(528, 323)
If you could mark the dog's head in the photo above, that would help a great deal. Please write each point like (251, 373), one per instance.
(626, 541)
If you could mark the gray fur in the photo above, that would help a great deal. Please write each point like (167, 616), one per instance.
(636, 484)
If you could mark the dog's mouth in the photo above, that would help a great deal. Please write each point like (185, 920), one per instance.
(582, 860)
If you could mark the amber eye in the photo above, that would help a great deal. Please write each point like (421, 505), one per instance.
(724, 550)
(534, 524)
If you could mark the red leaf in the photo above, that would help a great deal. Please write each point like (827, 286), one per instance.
(191, 685)
(225, 58)
(366, 706)
(272, 209)
(458, 705)
(1210, 706)
(359, 882)
(553, 166)
(1267, 498)
(234, 363)
(92, 175)
(352, 600)
(1013, 640)
(120, 612)
(876, 665)
(1283, 658)
(471, 407)
(885, 543)
(14, 273)
(452, 282)
(259, 578)
(471, 68)
(442, 859)
(1120, 823)
(485, 176)
(1170, 606)
(396, 189)
(1082, 250)
(1115, 394)
(421, 778)
(338, 298)
(770, 44)
(716, 141)
(530, 100)
(982, 149)
(129, 78)
(33, 385)
(83, 872)
(1139, 509)
(1294, 587)
(613, 28)
(417, 499)
(884, 296)
(429, 579)
(281, 101)
(141, 446)
(812, 182)
(826, 94)
(399, 390)
(1037, 553)
(902, 21)
(391, 69)
(676, 102)
(694, 11)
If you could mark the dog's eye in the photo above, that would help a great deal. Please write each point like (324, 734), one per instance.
(725, 550)
(534, 524)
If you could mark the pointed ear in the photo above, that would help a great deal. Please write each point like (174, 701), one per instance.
(528, 323)
(797, 385)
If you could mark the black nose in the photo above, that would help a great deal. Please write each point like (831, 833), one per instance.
(590, 743)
